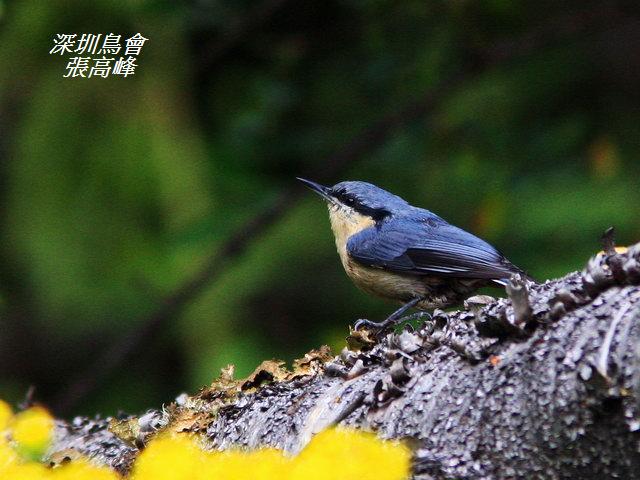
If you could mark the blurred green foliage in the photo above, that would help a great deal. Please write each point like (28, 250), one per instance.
(116, 190)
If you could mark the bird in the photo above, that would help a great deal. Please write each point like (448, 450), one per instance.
(407, 254)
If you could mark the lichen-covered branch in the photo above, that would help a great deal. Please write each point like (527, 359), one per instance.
(541, 385)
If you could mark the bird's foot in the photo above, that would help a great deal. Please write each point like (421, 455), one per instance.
(391, 321)
(418, 316)
(385, 324)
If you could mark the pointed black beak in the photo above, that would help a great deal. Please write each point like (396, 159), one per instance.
(324, 192)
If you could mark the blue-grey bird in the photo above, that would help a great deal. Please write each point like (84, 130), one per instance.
(404, 253)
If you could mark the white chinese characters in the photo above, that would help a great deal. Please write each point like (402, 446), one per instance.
(134, 44)
(90, 54)
(63, 44)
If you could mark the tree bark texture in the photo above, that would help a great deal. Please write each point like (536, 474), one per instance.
(543, 384)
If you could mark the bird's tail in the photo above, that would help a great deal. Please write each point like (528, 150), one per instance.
(509, 271)
(503, 281)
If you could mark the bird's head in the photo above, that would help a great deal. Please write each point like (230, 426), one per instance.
(358, 201)
(358, 197)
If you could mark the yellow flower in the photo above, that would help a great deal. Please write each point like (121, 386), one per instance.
(81, 469)
(340, 454)
(26, 471)
(178, 457)
(229, 465)
(169, 458)
(263, 464)
(8, 456)
(32, 431)
(268, 464)
(5, 414)
(335, 454)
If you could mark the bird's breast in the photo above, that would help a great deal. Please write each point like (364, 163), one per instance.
(384, 283)
(345, 223)
(438, 292)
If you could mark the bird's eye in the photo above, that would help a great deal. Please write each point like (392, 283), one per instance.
(346, 198)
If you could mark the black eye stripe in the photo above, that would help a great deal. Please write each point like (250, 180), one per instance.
(345, 198)
(351, 200)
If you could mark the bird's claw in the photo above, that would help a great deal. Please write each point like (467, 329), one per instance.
(361, 323)
(364, 323)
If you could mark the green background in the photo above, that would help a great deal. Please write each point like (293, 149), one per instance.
(115, 191)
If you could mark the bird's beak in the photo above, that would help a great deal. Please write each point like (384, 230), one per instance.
(324, 192)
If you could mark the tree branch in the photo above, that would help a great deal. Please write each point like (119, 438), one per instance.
(476, 403)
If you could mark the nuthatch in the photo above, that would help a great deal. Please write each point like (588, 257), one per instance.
(403, 253)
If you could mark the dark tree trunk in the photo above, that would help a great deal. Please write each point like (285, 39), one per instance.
(544, 384)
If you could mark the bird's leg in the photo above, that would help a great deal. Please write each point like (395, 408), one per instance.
(415, 316)
(391, 319)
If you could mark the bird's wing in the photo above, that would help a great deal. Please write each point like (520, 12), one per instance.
(428, 245)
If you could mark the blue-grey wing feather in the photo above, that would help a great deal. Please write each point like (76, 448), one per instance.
(425, 244)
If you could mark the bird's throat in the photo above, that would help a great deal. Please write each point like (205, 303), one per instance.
(346, 222)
